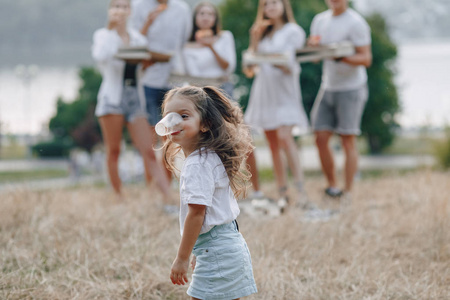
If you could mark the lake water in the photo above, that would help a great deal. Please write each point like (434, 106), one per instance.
(423, 83)
(423, 80)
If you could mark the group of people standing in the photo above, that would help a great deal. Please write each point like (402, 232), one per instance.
(138, 93)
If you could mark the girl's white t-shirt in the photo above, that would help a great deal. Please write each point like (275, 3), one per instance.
(204, 181)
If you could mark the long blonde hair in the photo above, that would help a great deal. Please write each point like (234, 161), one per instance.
(226, 134)
(288, 15)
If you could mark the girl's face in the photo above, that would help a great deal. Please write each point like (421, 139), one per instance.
(189, 134)
(120, 9)
(273, 9)
(205, 17)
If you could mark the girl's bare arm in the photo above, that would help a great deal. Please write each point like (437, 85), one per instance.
(192, 227)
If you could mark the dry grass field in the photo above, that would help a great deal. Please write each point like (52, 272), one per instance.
(392, 242)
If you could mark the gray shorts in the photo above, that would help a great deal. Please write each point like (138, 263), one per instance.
(339, 111)
(130, 106)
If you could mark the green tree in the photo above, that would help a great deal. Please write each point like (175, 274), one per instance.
(378, 122)
(75, 121)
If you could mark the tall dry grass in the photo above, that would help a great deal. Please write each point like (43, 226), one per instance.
(393, 242)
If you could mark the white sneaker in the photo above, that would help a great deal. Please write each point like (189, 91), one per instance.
(282, 204)
(264, 207)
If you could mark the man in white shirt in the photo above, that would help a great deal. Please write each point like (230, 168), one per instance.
(167, 26)
(340, 103)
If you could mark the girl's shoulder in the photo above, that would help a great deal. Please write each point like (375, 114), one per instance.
(201, 156)
(105, 33)
(202, 162)
(225, 36)
(293, 28)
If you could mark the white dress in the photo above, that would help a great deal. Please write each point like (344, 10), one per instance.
(275, 97)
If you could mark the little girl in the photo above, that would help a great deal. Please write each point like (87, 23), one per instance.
(215, 143)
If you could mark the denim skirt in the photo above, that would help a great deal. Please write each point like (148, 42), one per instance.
(223, 269)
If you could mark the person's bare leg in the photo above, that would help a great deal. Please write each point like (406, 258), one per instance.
(326, 157)
(251, 161)
(111, 127)
(351, 159)
(278, 166)
(287, 143)
(140, 132)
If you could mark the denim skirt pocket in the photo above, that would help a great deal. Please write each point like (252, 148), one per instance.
(230, 260)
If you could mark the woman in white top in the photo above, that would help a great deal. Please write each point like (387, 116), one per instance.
(211, 53)
(275, 103)
(118, 102)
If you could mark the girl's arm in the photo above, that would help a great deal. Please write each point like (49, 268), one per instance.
(220, 60)
(221, 57)
(256, 33)
(192, 226)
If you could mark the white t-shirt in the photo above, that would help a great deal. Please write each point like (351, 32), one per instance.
(105, 46)
(201, 62)
(348, 26)
(204, 181)
(167, 34)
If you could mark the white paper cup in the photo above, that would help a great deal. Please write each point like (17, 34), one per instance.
(169, 124)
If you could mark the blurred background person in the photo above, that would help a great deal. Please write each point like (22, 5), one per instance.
(275, 103)
(167, 25)
(340, 103)
(211, 53)
(118, 103)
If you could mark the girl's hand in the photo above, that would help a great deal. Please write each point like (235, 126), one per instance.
(178, 273)
(249, 71)
(313, 41)
(193, 262)
(258, 29)
(256, 33)
(206, 41)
